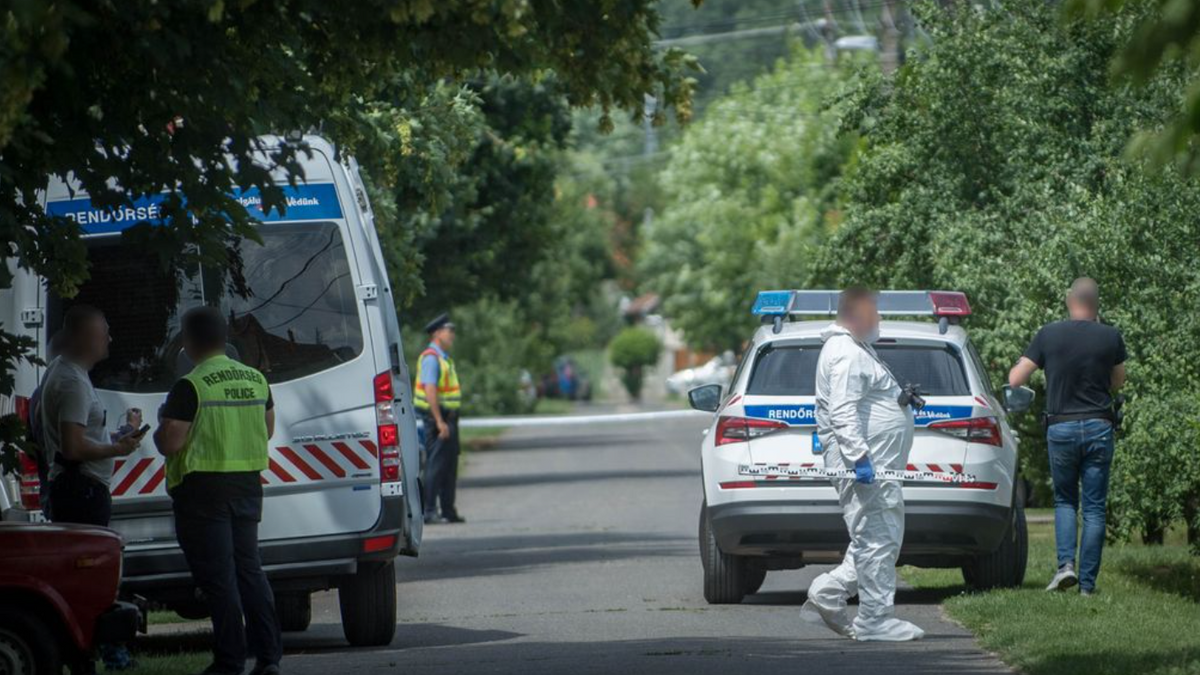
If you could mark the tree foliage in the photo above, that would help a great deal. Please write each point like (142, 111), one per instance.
(516, 247)
(750, 192)
(1167, 38)
(993, 164)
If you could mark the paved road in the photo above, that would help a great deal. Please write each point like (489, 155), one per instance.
(581, 557)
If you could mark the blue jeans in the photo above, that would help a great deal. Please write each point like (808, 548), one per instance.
(1081, 452)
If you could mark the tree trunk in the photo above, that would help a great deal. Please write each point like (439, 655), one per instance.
(1191, 514)
(1153, 532)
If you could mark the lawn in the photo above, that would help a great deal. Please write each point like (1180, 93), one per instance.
(1145, 618)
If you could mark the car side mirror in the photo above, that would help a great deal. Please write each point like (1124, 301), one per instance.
(706, 398)
(1017, 399)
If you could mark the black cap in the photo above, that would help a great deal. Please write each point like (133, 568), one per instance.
(442, 321)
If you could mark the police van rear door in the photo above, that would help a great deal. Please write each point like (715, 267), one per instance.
(295, 314)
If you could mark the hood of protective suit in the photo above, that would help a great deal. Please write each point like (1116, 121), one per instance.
(856, 412)
(832, 330)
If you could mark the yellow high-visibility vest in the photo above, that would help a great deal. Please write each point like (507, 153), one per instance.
(448, 393)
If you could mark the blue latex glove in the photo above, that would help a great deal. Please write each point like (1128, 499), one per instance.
(863, 471)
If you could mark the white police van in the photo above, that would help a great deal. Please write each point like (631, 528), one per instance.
(766, 506)
(313, 310)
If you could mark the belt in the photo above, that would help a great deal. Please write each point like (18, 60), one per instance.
(1075, 417)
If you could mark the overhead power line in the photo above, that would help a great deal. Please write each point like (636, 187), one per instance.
(811, 25)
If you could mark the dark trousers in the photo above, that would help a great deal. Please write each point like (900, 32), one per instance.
(441, 466)
(76, 498)
(219, 538)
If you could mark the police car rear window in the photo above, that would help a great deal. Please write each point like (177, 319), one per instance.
(292, 306)
(791, 370)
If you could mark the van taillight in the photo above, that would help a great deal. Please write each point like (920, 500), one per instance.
(31, 498)
(984, 430)
(21, 405)
(741, 429)
(387, 432)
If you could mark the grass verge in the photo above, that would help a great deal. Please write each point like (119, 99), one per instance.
(553, 406)
(1145, 618)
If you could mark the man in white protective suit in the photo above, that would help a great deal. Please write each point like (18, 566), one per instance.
(862, 426)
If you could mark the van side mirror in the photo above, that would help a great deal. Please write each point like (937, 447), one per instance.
(1017, 400)
(706, 398)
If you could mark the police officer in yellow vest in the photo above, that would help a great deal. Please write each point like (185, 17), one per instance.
(437, 397)
(213, 430)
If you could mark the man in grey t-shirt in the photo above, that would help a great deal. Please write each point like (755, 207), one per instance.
(73, 424)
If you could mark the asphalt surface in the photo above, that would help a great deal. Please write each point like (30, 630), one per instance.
(580, 556)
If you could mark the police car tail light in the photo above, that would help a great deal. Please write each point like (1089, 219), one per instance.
(741, 429)
(387, 432)
(949, 303)
(984, 430)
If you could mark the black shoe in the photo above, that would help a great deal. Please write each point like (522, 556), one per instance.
(265, 669)
(454, 519)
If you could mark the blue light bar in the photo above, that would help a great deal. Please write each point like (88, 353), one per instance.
(772, 303)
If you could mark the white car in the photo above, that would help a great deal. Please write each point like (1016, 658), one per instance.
(312, 308)
(765, 509)
(717, 370)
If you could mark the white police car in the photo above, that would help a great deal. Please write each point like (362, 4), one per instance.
(767, 508)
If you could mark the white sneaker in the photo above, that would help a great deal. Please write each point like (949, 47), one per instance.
(1064, 579)
(836, 620)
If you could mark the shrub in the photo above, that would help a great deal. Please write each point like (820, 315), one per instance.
(632, 350)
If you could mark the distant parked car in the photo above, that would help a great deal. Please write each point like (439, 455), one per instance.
(58, 597)
(718, 370)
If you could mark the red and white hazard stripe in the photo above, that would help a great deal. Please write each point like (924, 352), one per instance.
(912, 473)
(287, 464)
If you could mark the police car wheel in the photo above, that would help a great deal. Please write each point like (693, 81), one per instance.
(294, 611)
(27, 647)
(368, 604)
(724, 575)
(1004, 567)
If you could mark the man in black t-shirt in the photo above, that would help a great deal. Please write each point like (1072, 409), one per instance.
(1084, 362)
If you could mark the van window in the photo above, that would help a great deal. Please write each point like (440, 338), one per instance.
(791, 370)
(291, 305)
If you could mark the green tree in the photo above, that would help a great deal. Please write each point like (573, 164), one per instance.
(993, 164)
(1167, 38)
(633, 350)
(750, 191)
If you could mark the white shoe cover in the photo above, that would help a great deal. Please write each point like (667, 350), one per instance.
(836, 620)
(888, 630)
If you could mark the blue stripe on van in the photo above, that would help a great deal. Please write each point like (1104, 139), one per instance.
(804, 415)
(313, 201)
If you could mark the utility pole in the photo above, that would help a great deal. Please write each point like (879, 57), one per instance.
(889, 42)
(649, 131)
(829, 31)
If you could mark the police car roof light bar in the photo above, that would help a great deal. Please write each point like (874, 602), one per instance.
(774, 306)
